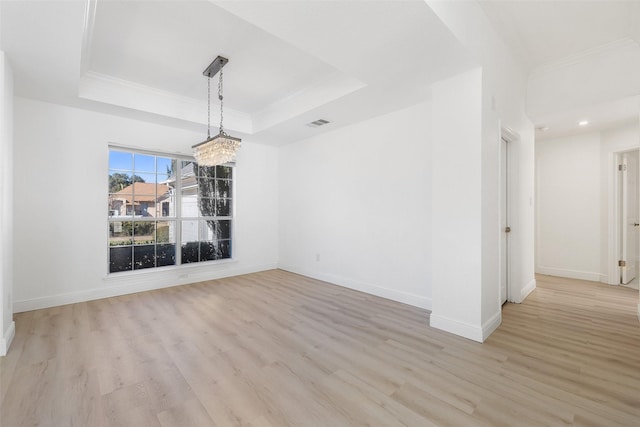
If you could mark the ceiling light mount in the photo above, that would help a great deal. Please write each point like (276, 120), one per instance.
(215, 66)
(221, 148)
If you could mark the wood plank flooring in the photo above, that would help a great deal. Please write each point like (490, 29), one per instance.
(277, 349)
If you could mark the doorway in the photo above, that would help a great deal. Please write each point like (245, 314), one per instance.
(507, 138)
(628, 217)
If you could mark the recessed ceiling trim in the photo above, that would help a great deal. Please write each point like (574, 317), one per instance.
(110, 90)
(323, 92)
(595, 52)
(87, 35)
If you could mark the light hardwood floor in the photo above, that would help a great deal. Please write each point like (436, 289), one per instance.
(278, 349)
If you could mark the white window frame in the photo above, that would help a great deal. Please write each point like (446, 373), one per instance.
(177, 217)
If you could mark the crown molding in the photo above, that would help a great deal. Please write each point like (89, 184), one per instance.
(107, 89)
(87, 35)
(584, 56)
(321, 93)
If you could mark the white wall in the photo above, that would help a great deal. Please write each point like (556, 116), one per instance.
(575, 192)
(352, 257)
(457, 205)
(359, 199)
(503, 104)
(568, 178)
(7, 326)
(61, 161)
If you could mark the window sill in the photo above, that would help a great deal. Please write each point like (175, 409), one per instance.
(180, 272)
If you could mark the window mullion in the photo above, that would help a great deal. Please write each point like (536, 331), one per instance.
(178, 212)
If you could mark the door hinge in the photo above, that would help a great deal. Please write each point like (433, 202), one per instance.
(622, 263)
(507, 229)
(622, 167)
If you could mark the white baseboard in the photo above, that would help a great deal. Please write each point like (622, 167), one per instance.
(391, 294)
(456, 327)
(491, 325)
(571, 274)
(139, 281)
(530, 287)
(7, 338)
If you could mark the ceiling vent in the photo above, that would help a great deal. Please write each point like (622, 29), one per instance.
(316, 123)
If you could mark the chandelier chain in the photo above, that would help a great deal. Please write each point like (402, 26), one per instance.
(220, 97)
(208, 107)
(222, 148)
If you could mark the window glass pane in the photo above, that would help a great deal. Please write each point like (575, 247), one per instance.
(189, 231)
(207, 207)
(164, 190)
(120, 206)
(144, 163)
(144, 256)
(144, 232)
(166, 206)
(223, 172)
(165, 238)
(163, 203)
(207, 172)
(120, 259)
(207, 230)
(188, 168)
(189, 186)
(221, 229)
(223, 207)
(166, 232)
(189, 205)
(143, 205)
(165, 166)
(120, 233)
(165, 254)
(120, 160)
(119, 181)
(206, 187)
(190, 252)
(148, 179)
(224, 249)
(163, 178)
(223, 188)
(208, 251)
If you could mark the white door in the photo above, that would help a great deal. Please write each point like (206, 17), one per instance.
(504, 219)
(629, 220)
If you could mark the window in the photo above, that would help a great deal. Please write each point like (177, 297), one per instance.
(157, 201)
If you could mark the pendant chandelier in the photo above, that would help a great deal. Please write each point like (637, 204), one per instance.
(221, 148)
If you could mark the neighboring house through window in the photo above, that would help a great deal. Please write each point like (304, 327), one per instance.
(156, 201)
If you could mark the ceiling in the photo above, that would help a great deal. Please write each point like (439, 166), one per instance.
(561, 46)
(293, 62)
(543, 31)
(290, 62)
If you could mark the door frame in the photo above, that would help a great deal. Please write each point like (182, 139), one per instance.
(615, 214)
(507, 138)
(619, 216)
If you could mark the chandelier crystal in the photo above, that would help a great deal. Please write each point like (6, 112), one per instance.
(221, 148)
(217, 150)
